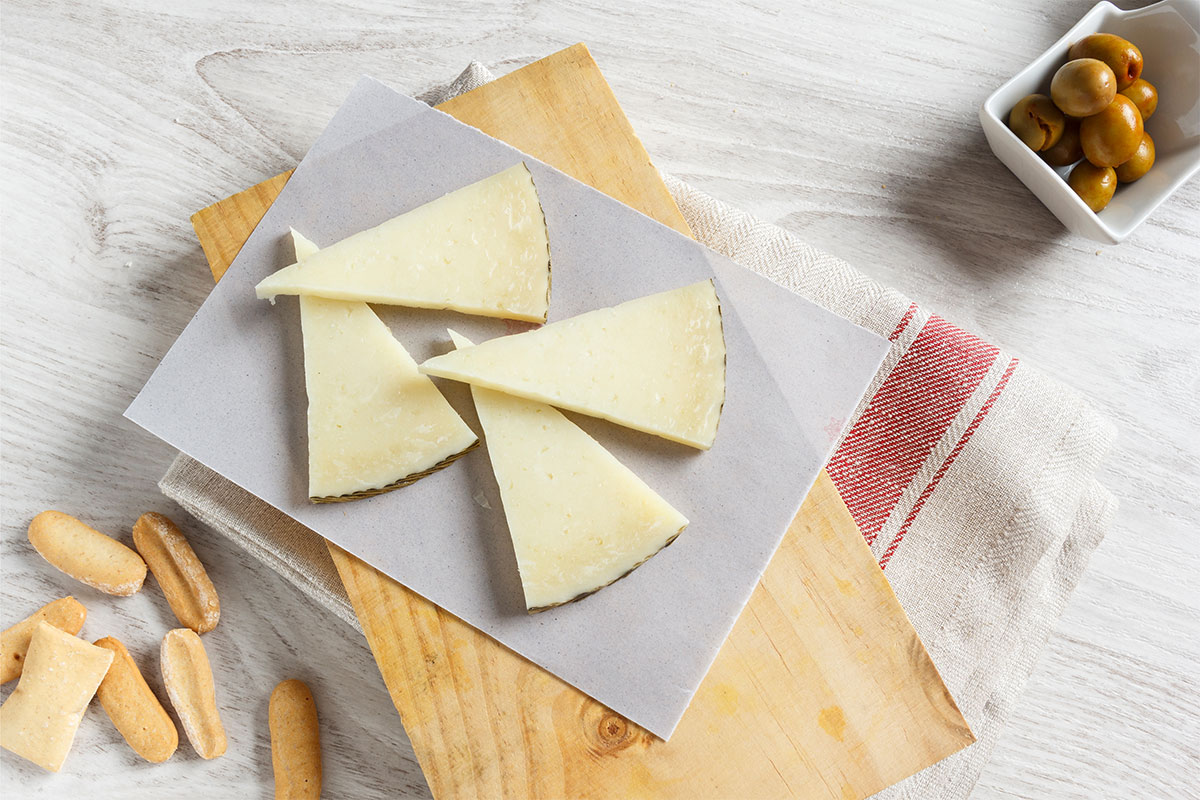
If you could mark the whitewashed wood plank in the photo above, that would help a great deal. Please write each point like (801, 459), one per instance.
(852, 125)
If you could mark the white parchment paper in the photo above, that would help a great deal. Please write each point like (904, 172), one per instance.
(230, 393)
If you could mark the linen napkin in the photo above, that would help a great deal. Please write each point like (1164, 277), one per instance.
(969, 473)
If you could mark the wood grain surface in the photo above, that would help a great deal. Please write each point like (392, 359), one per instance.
(852, 125)
(788, 709)
(823, 666)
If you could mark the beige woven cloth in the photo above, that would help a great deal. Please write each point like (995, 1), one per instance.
(970, 474)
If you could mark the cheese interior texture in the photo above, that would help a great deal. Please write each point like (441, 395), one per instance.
(374, 422)
(579, 518)
(656, 364)
(482, 249)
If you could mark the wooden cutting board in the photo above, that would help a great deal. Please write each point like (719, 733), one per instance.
(823, 688)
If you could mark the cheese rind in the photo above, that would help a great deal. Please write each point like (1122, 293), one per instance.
(482, 249)
(655, 364)
(578, 517)
(374, 422)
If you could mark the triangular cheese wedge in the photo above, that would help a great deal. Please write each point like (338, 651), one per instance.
(374, 422)
(481, 250)
(656, 364)
(579, 519)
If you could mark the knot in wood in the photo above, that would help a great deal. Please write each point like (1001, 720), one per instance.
(613, 731)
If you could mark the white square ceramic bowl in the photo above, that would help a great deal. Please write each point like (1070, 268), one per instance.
(1166, 33)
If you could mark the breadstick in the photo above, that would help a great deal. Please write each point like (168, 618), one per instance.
(66, 614)
(39, 719)
(189, 681)
(86, 554)
(295, 742)
(133, 708)
(189, 590)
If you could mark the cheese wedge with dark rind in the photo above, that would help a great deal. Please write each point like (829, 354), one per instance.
(374, 422)
(482, 249)
(579, 518)
(655, 364)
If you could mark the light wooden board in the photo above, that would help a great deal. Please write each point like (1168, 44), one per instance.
(822, 675)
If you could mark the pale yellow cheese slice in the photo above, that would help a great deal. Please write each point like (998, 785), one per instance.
(480, 250)
(656, 364)
(374, 422)
(578, 517)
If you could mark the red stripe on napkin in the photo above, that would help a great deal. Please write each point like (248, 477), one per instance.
(916, 509)
(906, 418)
(907, 318)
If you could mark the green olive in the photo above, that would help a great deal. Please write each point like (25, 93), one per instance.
(1095, 185)
(1037, 121)
(1144, 96)
(1067, 150)
(1112, 136)
(1083, 87)
(1122, 57)
(1141, 162)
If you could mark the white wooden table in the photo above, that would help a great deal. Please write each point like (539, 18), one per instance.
(853, 126)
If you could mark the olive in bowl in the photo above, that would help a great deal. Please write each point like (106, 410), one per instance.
(1067, 150)
(1140, 163)
(1111, 137)
(1037, 122)
(1094, 185)
(1144, 96)
(1083, 87)
(1119, 54)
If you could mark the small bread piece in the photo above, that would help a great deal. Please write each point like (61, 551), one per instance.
(188, 589)
(133, 708)
(189, 681)
(66, 614)
(39, 719)
(86, 554)
(295, 742)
